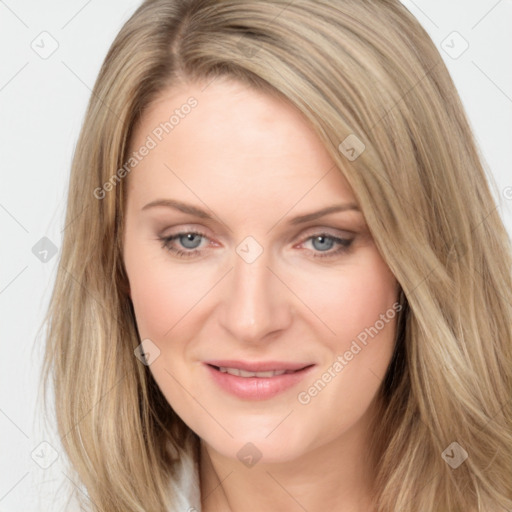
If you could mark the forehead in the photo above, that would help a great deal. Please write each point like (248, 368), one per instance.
(235, 141)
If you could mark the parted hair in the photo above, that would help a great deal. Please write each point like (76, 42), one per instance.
(366, 75)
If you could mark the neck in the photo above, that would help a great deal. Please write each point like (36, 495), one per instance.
(337, 476)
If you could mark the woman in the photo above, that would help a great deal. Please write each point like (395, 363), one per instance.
(286, 286)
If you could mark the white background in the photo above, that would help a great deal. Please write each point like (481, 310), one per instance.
(42, 105)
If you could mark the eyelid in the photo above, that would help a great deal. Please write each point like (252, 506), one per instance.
(336, 234)
(185, 228)
(303, 233)
(318, 230)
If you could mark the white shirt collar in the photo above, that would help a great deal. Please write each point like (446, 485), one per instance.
(186, 485)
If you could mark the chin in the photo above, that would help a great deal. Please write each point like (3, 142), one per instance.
(268, 446)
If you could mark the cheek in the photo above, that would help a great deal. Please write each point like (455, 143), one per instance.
(358, 304)
(352, 298)
(152, 306)
(162, 293)
(160, 303)
(155, 296)
(361, 309)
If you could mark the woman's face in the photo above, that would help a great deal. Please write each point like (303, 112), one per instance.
(232, 265)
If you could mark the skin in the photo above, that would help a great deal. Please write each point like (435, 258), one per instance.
(252, 161)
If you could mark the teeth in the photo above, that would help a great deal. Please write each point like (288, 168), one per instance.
(243, 373)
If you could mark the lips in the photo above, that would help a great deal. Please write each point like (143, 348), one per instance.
(259, 366)
(257, 380)
(244, 373)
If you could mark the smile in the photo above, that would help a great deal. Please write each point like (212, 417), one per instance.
(256, 383)
(243, 373)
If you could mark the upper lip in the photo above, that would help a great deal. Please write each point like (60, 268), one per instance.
(258, 366)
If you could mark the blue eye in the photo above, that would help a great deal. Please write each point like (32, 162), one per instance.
(323, 242)
(189, 241)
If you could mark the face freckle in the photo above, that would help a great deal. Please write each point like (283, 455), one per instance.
(264, 286)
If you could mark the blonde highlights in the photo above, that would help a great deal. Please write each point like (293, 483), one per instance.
(359, 70)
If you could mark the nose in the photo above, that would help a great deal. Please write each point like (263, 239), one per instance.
(256, 304)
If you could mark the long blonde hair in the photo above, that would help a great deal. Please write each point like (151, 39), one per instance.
(363, 69)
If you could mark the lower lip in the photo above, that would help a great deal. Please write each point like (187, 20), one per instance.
(257, 388)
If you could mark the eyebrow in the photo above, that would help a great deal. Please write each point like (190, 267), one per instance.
(300, 219)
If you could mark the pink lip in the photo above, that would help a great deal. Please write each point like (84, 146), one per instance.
(261, 366)
(257, 388)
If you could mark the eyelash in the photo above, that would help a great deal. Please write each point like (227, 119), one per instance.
(344, 244)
